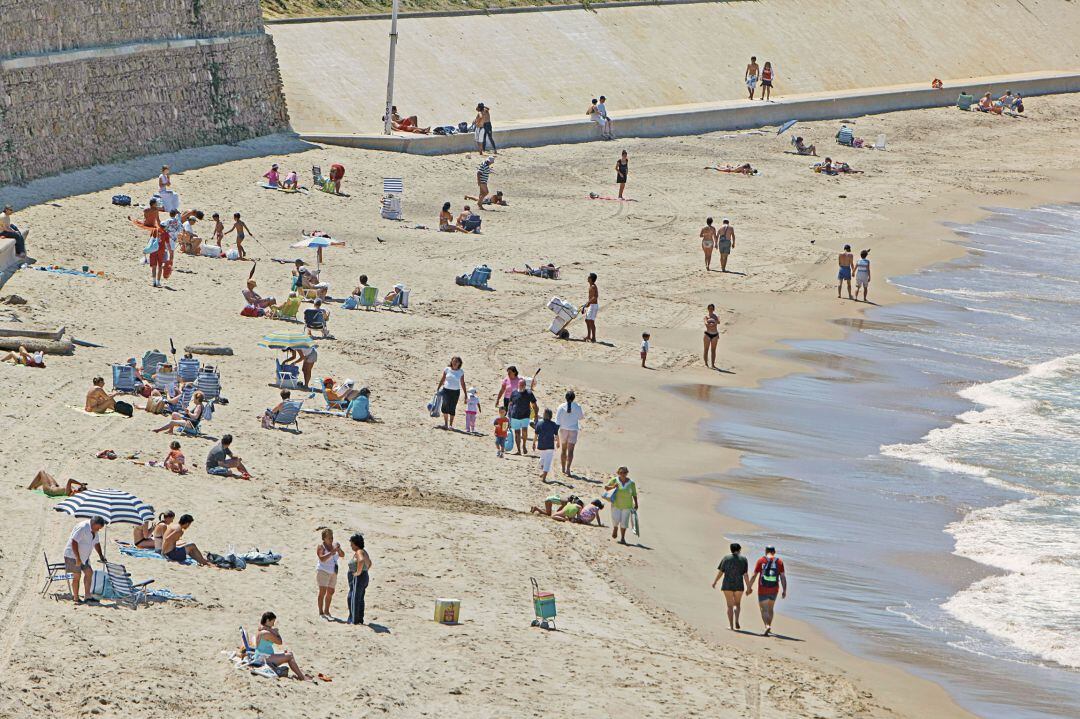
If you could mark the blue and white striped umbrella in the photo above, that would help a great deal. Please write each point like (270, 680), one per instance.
(116, 506)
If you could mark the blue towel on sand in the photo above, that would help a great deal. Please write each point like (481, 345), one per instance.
(147, 554)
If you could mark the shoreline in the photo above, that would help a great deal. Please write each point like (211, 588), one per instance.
(937, 244)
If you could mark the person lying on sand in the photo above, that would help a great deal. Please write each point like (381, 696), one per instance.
(744, 169)
(98, 401)
(50, 487)
(28, 359)
(497, 199)
(548, 271)
(802, 148)
(446, 220)
(831, 167)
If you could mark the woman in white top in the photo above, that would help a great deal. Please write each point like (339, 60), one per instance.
(862, 274)
(450, 385)
(326, 572)
(568, 418)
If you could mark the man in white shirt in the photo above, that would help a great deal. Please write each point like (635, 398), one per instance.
(568, 417)
(77, 555)
(601, 110)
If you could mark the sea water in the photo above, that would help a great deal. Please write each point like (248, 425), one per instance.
(922, 478)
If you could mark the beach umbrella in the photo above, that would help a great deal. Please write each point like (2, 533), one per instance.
(318, 242)
(286, 341)
(786, 126)
(116, 506)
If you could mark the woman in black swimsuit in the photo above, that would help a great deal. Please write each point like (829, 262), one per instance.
(622, 166)
(712, 335)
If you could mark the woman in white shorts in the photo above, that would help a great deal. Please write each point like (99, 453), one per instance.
(326, 573)
(568, 417)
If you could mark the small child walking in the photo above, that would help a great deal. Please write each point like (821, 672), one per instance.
(242, 231)
(502, 428)
(472, 408)
(219, 228)
(644, 347)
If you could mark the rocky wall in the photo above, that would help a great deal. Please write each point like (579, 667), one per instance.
(57, 117)
(32, 27)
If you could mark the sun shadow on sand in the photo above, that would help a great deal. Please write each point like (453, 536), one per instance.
(774, 635)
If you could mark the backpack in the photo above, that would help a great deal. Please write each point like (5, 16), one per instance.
(122, 200)
(463, 127)
(770, 574)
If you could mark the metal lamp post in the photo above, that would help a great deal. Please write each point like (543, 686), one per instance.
(390, 74)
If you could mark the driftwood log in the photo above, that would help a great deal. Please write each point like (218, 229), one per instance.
(209, 350)
(34, 344)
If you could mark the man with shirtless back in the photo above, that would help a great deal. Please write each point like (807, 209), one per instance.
(847, 263)
(753, 72)
(708, 241)
(590, 308)
(171, 550)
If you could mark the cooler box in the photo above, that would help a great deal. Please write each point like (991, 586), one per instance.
(558, 325)
(544, 604)
(447, 611)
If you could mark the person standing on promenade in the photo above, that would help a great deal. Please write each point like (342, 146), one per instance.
(622, 168)
(751, 76)
(862, 275)
(608, 125)
(725, 243)
(734, 570)
(771, 570)
(712, 335)
(767, 76)
(709, 239)
(591, 308)
(847, 263)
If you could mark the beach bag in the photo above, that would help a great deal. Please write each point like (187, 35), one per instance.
(438, 130)
(508, 443)
(463, 127)
(122, 200)
(124, 408)
(152, 246)
(251, 311)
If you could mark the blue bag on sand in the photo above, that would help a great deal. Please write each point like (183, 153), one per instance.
(122, 200)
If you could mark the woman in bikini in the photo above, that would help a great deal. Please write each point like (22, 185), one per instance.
(708, 241)
(49, 486)
(712, 335)
(446, 220)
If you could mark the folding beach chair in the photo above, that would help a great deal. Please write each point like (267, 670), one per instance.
(288, 309)
(401, 299)
(287, 376)
(125, 589)
(150, 362)
(339, 405)
(54, 572)
(290, 410)
(188, 369)
(209, 383)
(123, 377)
(393, 189)
(369, 298)
(165, 381)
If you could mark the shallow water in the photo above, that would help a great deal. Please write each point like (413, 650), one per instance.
(922, 478)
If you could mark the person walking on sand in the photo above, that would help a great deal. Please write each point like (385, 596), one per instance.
(591, 308)
(770, 569)
(725, 243)
(709, 238)
(359, 564)
(767, 77)
(483, 173)
(622, 167)
(522, 407)
(847, 263)
(734, 570)
(242, 230)
(751, 76)
(568, 417)
(712, 335)
(862, 275)
(451, 383)
(326, 572)
(546, 440)
(83, 540)
(624, 500)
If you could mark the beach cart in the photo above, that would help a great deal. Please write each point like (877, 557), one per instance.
(543, 606)
(565, 313)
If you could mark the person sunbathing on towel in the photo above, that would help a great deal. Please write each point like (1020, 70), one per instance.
(803, 149)
(744, 169)
(843, 167)
(142, 535)
(98, 401)
(446, 220)
(496, 199)
(50, 487)
(29, 359)
(405, 124)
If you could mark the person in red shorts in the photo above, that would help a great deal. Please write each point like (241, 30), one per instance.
(336, 173)
(770, 569)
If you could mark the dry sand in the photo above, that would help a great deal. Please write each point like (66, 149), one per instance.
(640, 630)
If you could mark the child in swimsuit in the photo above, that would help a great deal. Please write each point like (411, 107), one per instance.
(219, 228)
(240, 228)
(175, 461)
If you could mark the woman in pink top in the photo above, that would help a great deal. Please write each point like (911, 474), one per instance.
(510, 383)
(272, 176)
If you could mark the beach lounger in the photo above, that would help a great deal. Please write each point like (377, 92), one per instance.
(290, 410)
(287, 375)
(401, 299)
(335, 404)
(123, 377)
(150, 362)
(54, 572)
(125, 589)
(188, 369)
(393, 190)
(165, 381)
(288, 309)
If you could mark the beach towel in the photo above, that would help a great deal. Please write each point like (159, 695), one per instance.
(594, 196)
(148, 554)
(167, 594)
(434, 407)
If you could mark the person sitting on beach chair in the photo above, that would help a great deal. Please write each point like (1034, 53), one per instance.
(802, 148)
(468, 220)
(309, 280)
(269, 415)
(339, 396)
(254, 299)
(497, 199)
(266, 639)
(51, 488)
(317, 318)
(845, 136)
(186, 420)
(27, 359)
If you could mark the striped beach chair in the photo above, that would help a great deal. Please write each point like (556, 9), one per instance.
(393, 189)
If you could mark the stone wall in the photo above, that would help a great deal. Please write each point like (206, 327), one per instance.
(145, 77)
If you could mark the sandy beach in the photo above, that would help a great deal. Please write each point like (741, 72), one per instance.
(639, 628)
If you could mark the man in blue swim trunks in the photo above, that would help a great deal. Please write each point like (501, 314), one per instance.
(522, 405)
(171, 550)
(847, 261)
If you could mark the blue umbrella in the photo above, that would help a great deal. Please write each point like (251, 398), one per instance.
(786, 126)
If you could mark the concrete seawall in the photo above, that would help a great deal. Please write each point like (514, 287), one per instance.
(544, 64)
(701, 118)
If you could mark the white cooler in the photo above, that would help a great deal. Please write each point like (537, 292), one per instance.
(564, 313)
